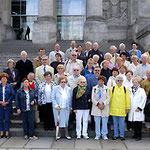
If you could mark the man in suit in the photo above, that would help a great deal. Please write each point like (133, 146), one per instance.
(39, 72)
(37, 61)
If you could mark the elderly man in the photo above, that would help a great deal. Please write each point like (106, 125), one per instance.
(119, 106)
(96, 51)
(37, 61)
(72, 80)
(142, 68)
(113, 49)
(88, 46)
(34, 85)
(95, 59)
(71, 49)
(24, 66)
(73, 62)
(122, 49)
(39, 72)
(57, 50)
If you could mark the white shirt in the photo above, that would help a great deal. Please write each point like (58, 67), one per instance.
(63, 101)
(124, 77)
(27, 101)
(128, 83)
(48, 93)
(132, 67)
(111, 82)
(3, 94)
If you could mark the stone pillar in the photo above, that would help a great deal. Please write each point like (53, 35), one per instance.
(6, 31)
(95, 28)
(44, 29)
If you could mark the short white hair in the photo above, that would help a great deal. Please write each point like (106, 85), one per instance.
(107, 54)
(23, 52)
(113, 47)
(119, 77)
(88, 42)
(144, 55)
(95, 56)
(134, 57)
(95, 43)
(122, 44)
(73, 52)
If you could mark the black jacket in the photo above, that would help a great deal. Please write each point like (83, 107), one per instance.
(97, 52)
(80, 103)
(24, 68)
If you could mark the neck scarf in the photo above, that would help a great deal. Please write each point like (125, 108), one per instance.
(81, 91)
(134, 90)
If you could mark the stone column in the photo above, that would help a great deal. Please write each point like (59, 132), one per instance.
(44, 29)
(95, 28)
(6, 31)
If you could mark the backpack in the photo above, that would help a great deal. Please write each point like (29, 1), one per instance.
(123, 87)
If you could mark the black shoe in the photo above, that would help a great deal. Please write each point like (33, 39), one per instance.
(134, 137)
(114, 138)
(122, 138)
(138, 139)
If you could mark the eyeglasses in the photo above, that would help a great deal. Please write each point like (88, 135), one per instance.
(44, 59)
(96, 70)
(119, 80)
(74, 55)
(76, 70)
(63, 82)
(60, 68)
(82, 82)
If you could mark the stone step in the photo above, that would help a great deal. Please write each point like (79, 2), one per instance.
(42, 133)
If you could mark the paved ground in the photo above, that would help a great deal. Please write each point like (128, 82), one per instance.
(18, 143)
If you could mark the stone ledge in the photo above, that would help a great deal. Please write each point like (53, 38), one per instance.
(144, 32)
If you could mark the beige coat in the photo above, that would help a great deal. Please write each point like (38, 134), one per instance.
(39, 73)
(105, 99)
(79, 64)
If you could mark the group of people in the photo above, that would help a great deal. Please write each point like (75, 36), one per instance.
(77, 84)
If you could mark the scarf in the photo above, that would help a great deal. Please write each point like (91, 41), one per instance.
(134, 90)
(81, 91)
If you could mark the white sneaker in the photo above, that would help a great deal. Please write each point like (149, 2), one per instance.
(78, 137)
(86, 137)
(97, 138)
(105, 137)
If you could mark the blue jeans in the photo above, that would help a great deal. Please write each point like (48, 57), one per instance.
(119, 121)
(4, 118)
(104, 131)
(28, 122)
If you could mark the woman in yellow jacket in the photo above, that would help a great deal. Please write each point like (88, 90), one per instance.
(119, 106)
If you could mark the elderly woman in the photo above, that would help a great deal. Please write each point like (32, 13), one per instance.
(119, 62)
(95, 59)
(60, 69)
(108, 57)
(128, 81)
(13, 74)
(112, 79)
(106, 72)
(45, 101)
(134, 63)
(81, 54)
(119, 107)
(100, 108)
(6, 96)
(136, 113)
(25, 100)
(88, 71)
(80, 106)
(62, 101)
(122, 72)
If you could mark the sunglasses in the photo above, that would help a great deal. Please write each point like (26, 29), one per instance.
(74, 55)
(97, 70)
(82, 82)
(44, 59)
(63, 82)
(76, 70)
(119, 81)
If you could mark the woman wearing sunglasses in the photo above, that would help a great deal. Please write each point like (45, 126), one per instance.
(61, 99)
(80, 105)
